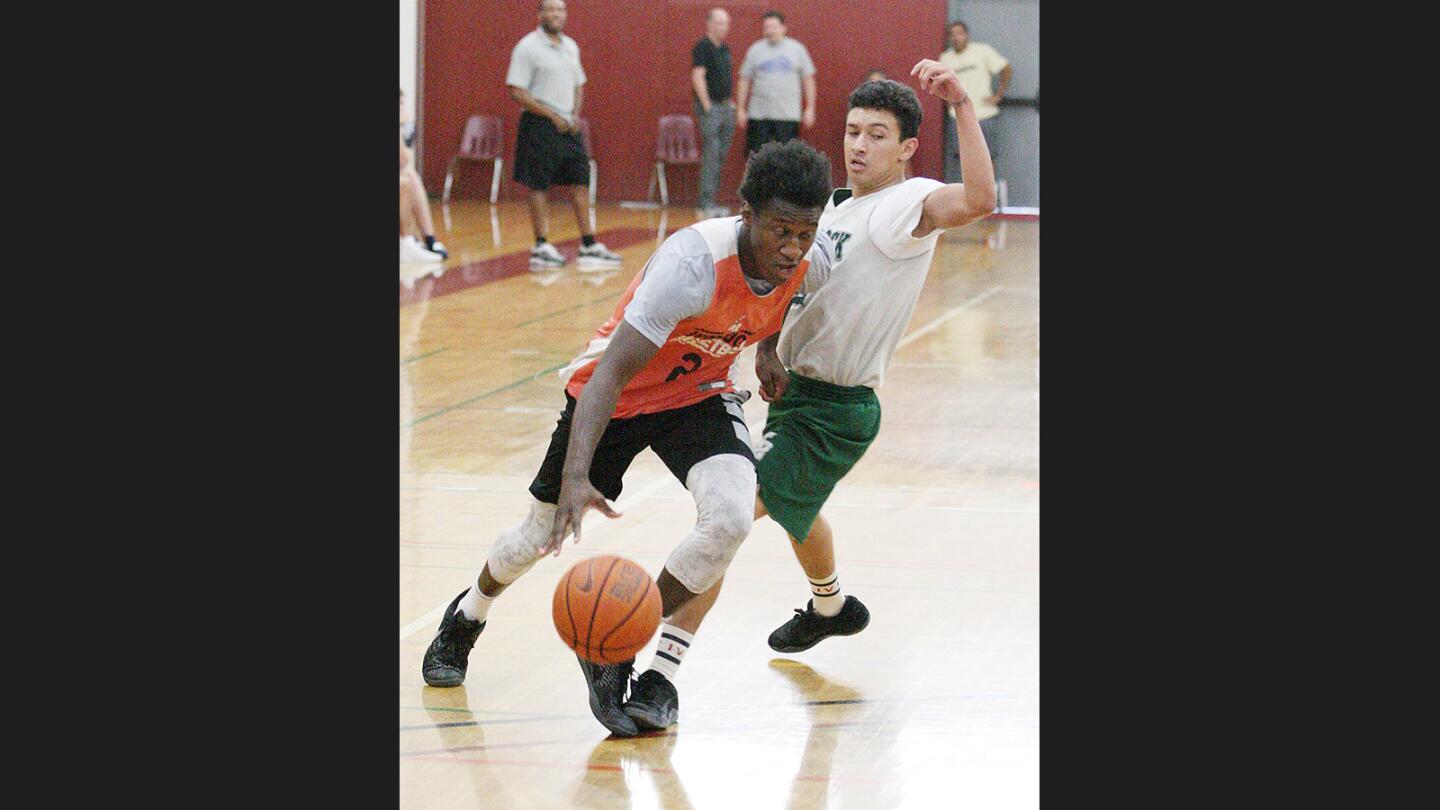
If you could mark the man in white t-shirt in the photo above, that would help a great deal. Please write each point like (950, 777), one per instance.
(852, 311)
(975, 64)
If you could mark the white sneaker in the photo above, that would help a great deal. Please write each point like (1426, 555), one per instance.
(545, 256)
(438, 247)
(598, 257)
(412, 251)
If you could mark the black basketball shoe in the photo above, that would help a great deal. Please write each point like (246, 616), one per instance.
(653, 703)
(449, 653)
(808, 628)
(607, 684)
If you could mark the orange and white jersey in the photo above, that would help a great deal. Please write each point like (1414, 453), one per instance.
(694, 302)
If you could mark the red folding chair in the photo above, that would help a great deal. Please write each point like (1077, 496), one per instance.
(675, 143)
(484, 139)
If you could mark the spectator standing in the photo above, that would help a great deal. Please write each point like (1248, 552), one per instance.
(975, 64)
(776, 68)
(546, 79)
(714, 108)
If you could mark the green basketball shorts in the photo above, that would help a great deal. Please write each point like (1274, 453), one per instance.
(811, 439)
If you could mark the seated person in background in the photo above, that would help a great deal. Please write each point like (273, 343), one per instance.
(415, 209)
(407, 127)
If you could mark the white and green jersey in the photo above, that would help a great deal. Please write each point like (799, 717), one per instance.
(855, 307)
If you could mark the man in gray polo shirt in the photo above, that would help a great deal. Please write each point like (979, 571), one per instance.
(775, 68)
(546, 79)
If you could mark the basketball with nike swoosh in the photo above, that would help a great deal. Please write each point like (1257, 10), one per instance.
(606, 609)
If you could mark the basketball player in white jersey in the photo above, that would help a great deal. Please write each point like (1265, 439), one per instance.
(820, 373)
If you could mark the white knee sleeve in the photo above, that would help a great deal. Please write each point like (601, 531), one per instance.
(518, 547)
(724, 491)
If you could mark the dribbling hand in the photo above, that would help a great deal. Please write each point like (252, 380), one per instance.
(772, 375)
(939, 81)
(575, 498)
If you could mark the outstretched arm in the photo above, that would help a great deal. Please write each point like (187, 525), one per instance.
(627, 353)
(957, 204)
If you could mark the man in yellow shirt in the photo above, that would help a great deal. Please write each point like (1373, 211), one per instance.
(975, 64)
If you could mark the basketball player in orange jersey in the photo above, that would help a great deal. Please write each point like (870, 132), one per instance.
(657, 375)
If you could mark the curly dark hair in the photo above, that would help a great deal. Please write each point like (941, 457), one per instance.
(792, 171)
(894, 97)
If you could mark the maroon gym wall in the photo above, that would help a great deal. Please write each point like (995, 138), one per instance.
(636, 55)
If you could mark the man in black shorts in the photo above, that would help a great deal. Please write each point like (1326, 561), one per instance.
(657, 375)
(546, 79)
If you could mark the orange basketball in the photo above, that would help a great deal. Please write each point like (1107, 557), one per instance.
(606, 608)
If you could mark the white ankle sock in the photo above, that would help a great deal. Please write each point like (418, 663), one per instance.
(827, 596)
(475, 605)
(674, 642)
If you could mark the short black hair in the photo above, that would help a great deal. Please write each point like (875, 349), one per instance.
(954, 23)
(791, 171)
(773, 13)
(894, 97)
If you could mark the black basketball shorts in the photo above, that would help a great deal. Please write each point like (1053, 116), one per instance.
(545, 156)
(681, 438)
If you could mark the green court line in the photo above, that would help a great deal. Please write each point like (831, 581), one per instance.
(537, 375)
(569, 309)
(421, 356)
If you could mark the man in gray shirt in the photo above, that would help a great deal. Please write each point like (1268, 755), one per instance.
(545, 78)
(775, 68)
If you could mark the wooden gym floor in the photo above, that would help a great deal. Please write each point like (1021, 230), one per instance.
(935, 704)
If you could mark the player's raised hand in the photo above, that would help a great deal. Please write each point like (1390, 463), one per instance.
(576, 496)
(939, 81)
